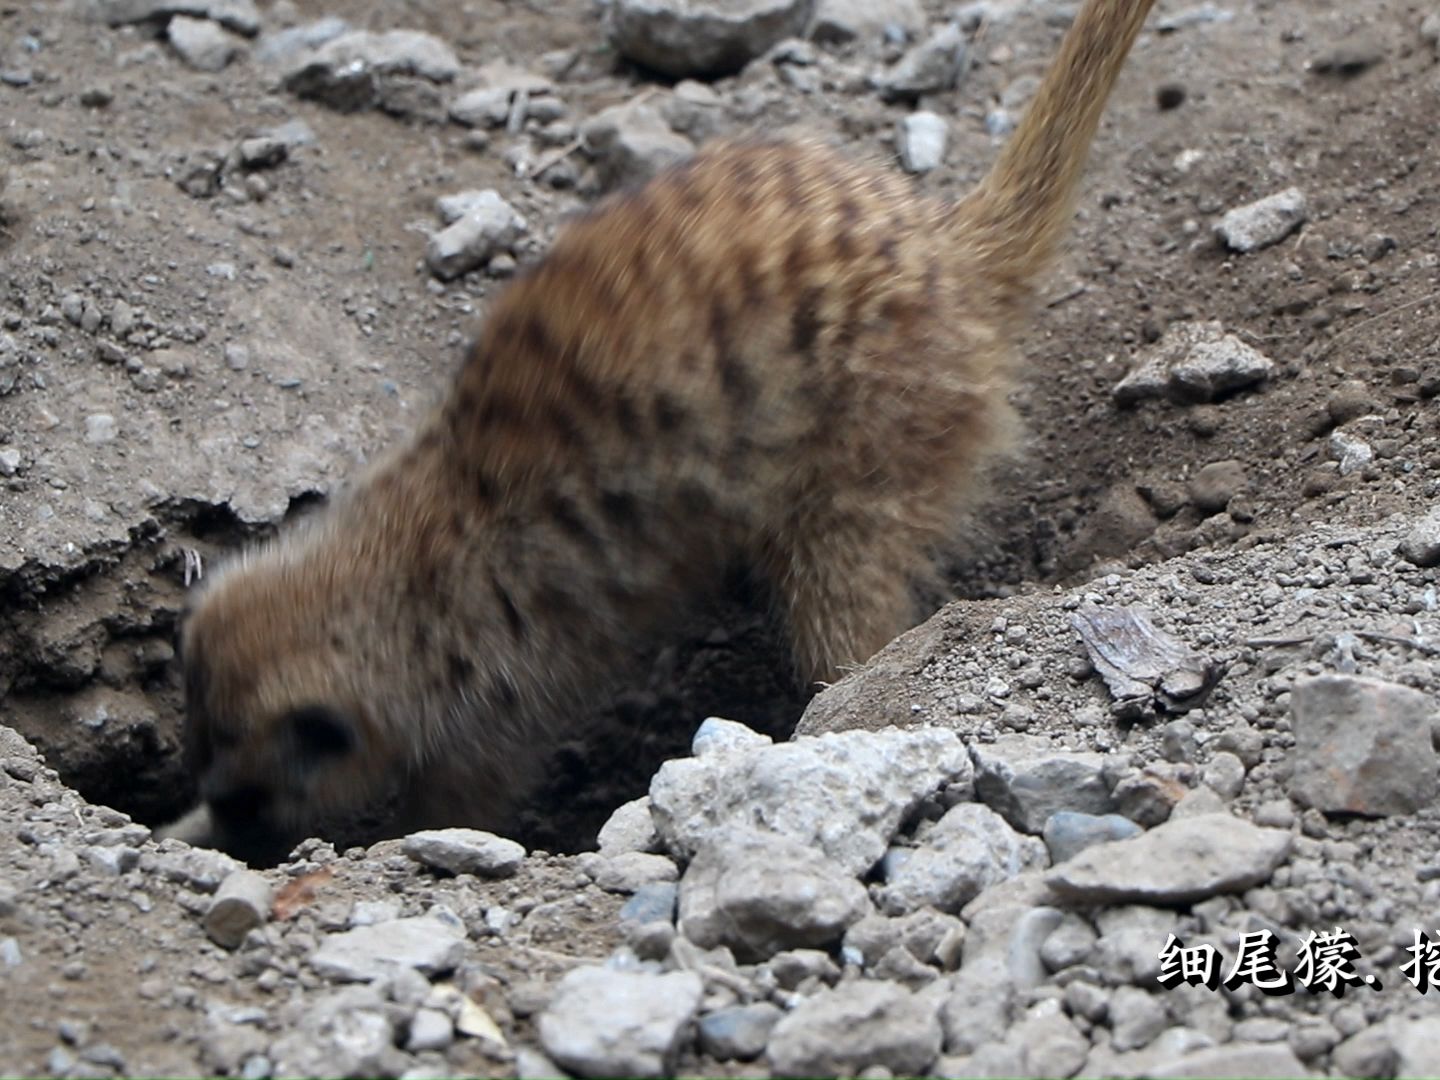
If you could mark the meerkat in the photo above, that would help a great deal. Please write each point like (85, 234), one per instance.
(769, 352)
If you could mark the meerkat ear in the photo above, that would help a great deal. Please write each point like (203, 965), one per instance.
(322, 733)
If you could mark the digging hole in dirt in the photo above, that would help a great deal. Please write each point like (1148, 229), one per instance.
(90, 674)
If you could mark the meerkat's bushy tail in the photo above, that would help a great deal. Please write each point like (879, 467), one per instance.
(1018, 214)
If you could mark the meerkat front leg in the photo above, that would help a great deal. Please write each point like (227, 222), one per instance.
(845, 587)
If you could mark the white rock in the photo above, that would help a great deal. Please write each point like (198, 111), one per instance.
(619, 1023)
(241, 903)
(845, 793)
(465, 851)
(430, 1029)
(488, 227)
(759, 893)
(426, 943)
(202, 44)
(1194, 362)
(1264, 222)
(922, 141)
(629, 828)
(715, 736)
(1351, 452)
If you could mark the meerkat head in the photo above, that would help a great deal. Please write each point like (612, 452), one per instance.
(284, 705)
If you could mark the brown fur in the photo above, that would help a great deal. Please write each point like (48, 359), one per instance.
(769, 351)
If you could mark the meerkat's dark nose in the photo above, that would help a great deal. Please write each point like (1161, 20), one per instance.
(243, 825)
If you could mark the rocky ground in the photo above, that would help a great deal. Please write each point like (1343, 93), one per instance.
(240, 248)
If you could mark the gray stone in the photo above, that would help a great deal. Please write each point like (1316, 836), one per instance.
(9, 461)
(1368, 1053)
(489, 227)
(930, 936)
(716, 736)
(629, 828)
(1136, 1018)
(844, 793)
(933, 66)
(922, 141)
(966, 851)
(238, 15)
(630, 870)
(533, 1065)
(738, 1032)
(1070, 943)
(1417, 1046)
(1194, 362)
(285, 45)
(1261, 1061)
(1174, 863)
(855, 1026)
(1312, 1037)
(112, 860)
(427, 943)
(1214, 485)
(630, 143)
(370, 912)
(485, 106)
(263, 151)
(99, 428)
(1068, 833)
(683, 38)
(759, 893)
(1026, 779)
(1225, 773)
(199, 869)
(1362, 746)
(651, 903)
(202, 44)
(346, 1033)
(793, 968)
(1044, 1043)
(360, 70)
(1125, 950)
(430, 1029)
(839, 21)
(392, 52)
(241, 903)
(1352, 452)
(465, 851)
(1263, 222)
(1421, 544)
(504, 94)
(619, 1023)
